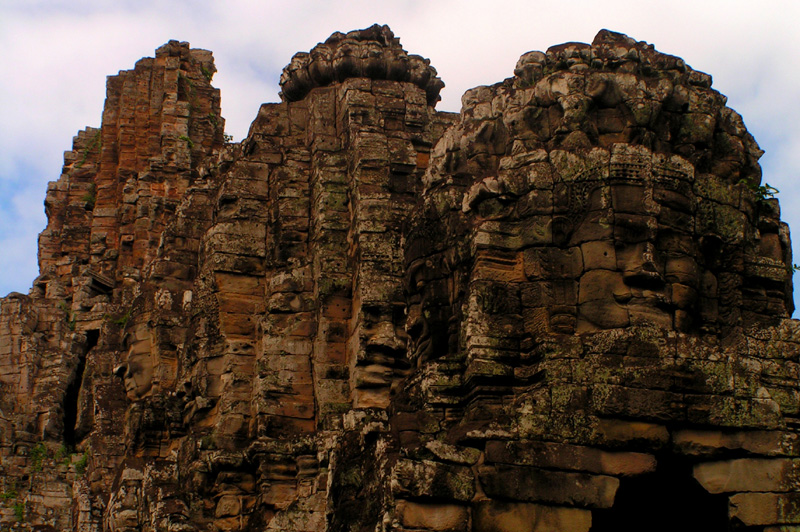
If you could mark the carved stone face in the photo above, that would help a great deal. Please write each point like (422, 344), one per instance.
(124, 507)
(638, 259)
(434, 286)
(138, 368)
(620, 248)
(607, 240)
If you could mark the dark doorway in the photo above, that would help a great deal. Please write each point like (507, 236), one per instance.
(665, 501)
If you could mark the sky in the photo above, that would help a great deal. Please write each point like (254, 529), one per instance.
(57, 54)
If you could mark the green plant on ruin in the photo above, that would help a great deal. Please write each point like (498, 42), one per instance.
(69, 316)
(37, 455)
(333, 286)
(63, 454)
(19, 511)
(95, 144)
(80, 465)
(11, 486)
(190, 91)
(206, 73)
(123, 319)
(186, 81)
(762, 192)
(11, 493)
(90, 197)
(187, 140)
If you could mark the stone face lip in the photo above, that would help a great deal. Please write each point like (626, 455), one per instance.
(373, 53)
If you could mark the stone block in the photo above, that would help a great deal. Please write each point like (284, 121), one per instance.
(628, 198)
(643, 403)
(431, 516)
(569, 457)
(431, 479)
(551, 263)
(708, 442)
(237, 324)
(492, 266)
(754, 509)
(601, 314)
(623, 432)
(237, 303)
(599, 255)
(238, 284)
(337, 308)
(531, 484)
(697, 127)
(453, 453)
(596, 226)
(602, 285)
(228, 505)
(537, 231)
(500, 516)
(749, 474)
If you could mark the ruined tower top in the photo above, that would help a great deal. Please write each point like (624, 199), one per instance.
(373, 53)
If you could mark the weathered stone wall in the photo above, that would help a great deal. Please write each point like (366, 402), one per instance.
(120, 186)
(565, 308)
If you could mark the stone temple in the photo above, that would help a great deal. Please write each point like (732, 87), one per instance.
(564, 309)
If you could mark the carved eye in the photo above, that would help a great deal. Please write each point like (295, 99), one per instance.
(227, 204)
(562, 230)
(493, 208)
(415, 330)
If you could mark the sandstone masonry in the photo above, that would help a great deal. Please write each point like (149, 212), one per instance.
(565, 308)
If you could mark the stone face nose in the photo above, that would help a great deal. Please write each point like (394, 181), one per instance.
(641, 266)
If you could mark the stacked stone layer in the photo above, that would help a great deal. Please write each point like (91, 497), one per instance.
(566, 308)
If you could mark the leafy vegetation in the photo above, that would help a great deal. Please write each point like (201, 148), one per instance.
(90, 197)
(80, 465)
(123, 320)
(61, 453)
(69, 316)
(763, 192)
(37, 455)
(187, 140)
(95, 144)
(190, 91)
